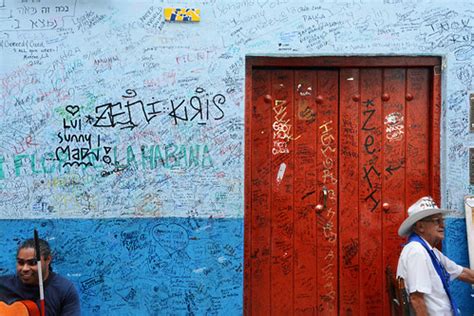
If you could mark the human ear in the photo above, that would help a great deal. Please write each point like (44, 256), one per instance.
(419, 227)
(47, 260)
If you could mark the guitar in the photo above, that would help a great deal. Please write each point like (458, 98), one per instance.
(19, 308)
(28, 307)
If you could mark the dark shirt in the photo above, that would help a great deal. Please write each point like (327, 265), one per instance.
(60, 295)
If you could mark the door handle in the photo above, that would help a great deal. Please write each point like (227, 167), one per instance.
(386, 207)
(321, 207)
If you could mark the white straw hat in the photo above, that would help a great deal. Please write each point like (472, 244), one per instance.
(422, 208)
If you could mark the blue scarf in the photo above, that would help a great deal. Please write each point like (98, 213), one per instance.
(443, 274)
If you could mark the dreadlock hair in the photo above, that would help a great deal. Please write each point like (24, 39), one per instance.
(45, 249)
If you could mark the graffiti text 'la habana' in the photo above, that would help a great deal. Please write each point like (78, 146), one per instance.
(169, 156)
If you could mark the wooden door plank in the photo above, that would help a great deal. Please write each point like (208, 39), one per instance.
(282, 285)
(370, 171)
(327, 103)
(394, 142)
(248, 186)
(260, 195)
(349, 192)
(305, 243)
(435, 133)
(418, 136)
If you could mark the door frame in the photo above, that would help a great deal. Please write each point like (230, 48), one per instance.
(255, 62)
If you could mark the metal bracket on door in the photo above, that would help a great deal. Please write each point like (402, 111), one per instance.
(321, 207)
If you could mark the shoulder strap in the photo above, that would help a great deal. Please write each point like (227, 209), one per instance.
(440, 270)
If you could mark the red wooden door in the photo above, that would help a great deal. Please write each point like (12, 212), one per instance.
(334, 157)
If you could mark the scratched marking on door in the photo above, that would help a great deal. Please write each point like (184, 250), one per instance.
(302, 91)
(281, 128)
(371, 149)
(303, 107)
(328, 147)
(394, 127)
(327, 138)
(329, 295)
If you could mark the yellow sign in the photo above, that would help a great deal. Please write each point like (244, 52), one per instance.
(182, 14)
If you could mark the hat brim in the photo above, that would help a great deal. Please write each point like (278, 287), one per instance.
(407, 225)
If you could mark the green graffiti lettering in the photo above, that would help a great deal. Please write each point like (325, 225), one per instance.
(131, 157)
(182, 156)
(170, 157)
(158, 157)
(193, 159)
(206, 158)
(151, 157)
(116, 163)
(62, 158)
(2, 174)
(147, 156)
(17, 161)
(47, 156)
(33, 164)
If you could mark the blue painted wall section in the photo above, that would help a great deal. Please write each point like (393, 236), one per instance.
(455, 249)
(172, 266)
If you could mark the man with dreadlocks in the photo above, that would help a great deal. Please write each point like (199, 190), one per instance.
(61, 298)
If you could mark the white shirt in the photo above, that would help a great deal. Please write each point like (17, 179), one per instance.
(416, 268)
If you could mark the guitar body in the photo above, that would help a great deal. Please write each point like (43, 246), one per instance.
(19, 308)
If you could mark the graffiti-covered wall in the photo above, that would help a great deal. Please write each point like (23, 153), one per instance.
(122, 134)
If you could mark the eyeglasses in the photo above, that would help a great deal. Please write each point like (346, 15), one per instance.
(438, 221)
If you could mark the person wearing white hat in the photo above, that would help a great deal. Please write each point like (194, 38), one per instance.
(424, 268)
